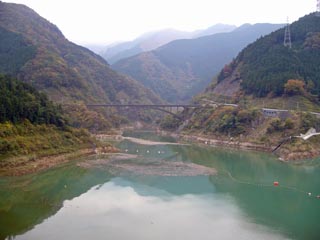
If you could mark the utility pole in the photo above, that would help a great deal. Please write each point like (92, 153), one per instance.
(287, 34)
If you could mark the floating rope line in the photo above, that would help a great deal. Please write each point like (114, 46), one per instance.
(270, 185)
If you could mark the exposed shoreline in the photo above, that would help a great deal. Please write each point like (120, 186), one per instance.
(224, 143)
(283, 155)
(27, 165)
(147, 166)
(24, 166)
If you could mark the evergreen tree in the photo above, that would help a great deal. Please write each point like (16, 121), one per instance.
(19, 101)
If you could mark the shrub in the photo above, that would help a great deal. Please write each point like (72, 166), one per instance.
(170, 123)
(275, 126)
(309, 121)
(288, 124)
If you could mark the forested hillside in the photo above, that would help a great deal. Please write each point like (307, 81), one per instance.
(15, 51)
(264, 67)
(20, 101)
(35, 51)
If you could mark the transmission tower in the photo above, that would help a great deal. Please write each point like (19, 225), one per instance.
(287, 35)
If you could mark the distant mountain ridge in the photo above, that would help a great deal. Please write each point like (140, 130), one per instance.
(182, 68)
(35, 51)
(152, 40)
(214, 29)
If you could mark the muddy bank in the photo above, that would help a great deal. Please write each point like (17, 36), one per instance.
(130, 164)
(23, 165)
(216, 142)
(118, 138)
(284, 153)
(149, 142)
(299, 156)
(27, 164)
(184, 139)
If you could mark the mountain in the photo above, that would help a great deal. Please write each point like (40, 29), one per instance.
(146, 42)
(35, 51)
(266, 75)
(153, 40)
(217, 28)
(182, 68)
(264, 67)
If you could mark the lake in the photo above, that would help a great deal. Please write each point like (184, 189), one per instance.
(165, 191)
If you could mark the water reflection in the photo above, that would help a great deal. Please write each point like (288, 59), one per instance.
(27, 201)
(248, 178)
(240, 201)
(118, 211)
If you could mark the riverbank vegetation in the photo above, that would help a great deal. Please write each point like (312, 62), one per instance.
(24, 146)
(31, 126)
(25, 138)
(238, 125)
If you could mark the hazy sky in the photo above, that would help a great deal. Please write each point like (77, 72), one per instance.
(105, 21)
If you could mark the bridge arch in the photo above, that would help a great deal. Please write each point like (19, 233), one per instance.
(167, 111)
(159, 107)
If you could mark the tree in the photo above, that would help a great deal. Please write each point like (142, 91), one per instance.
(20, 101)
(294, 87)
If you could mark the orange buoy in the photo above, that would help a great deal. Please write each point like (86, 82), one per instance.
(275, 184)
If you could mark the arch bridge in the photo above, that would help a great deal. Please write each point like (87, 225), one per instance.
(167, 108)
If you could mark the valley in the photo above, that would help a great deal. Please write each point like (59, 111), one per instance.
(188, 134)
(180, 71)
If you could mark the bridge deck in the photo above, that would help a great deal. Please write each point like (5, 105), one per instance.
(149, 105)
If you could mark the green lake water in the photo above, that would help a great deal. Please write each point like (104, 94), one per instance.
(238, 202)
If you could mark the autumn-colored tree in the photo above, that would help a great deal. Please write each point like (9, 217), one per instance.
(294, 87)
